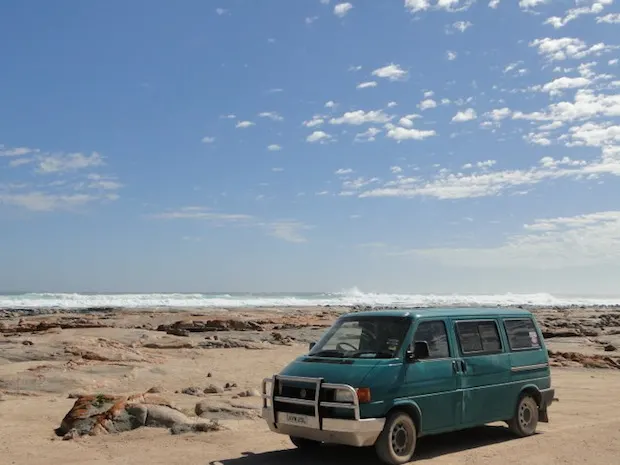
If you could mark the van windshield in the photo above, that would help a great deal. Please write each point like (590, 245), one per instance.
(363, 337)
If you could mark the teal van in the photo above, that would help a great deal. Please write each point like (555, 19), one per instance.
(385, 378)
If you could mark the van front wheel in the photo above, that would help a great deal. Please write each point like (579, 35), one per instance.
(396, 443)
(526, 417)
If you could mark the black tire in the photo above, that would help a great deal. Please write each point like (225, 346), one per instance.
(525, 419)
(396, 443)
(303, 443)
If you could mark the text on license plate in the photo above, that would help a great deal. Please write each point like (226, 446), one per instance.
(296, 419)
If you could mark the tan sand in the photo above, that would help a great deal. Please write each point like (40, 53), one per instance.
(37, 377)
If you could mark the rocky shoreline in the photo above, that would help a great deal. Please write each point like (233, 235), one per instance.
(198, 372)
(576, 336)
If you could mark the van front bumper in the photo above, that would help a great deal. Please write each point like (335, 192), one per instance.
(357, 432)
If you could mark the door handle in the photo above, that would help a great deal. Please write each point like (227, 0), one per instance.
(463, 366)
(455, 366)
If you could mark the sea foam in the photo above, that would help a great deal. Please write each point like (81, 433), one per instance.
(352, 297)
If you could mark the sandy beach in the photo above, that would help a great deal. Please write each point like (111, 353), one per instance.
(217, 358)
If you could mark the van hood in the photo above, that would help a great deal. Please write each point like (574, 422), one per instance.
(332, 370)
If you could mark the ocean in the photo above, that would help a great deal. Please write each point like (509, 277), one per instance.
(352, 297)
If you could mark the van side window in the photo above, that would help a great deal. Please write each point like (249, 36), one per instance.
(477, 337)
(435, 335)
(522, 334)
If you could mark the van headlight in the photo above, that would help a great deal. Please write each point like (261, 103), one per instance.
(343, 396)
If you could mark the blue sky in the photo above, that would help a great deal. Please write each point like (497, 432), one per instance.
(277, 145)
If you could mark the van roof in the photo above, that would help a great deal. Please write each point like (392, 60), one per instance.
(443, 312)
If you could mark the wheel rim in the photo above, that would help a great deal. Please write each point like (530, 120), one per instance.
(526, 416)
(401, 438)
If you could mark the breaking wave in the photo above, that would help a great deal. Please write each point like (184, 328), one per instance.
(351, 297)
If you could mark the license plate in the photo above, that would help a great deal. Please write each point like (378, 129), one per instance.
(296, 419)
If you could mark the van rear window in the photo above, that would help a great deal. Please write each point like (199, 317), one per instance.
(478, 337)
(522, 334)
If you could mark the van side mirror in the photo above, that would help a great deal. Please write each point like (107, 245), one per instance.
(418, 351)
(311, 345)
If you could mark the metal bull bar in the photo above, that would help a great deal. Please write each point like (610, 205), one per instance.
(316, 403)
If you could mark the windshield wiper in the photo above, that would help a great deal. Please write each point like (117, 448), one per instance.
(327, 353)
(378, 353)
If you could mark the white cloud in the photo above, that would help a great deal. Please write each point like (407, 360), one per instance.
(311, 19)
(586, 104)
(272, 115)
(551, 126)
(494, 3)
(208, 140)
(16, 151)
(447, 185)
(486, 164)
(396, 169)
(107, 183)
(201, 213)
(362, 117)
(341, 9)
(330, 104)
(597, 7)
(540, 138)
(407, 120)
(558, 85)
(393, 72)
(567, 48)
(428, 94)
(466, 115)
(20, 161)
(274, 147)
(460, 26)
(415, 6)
(427, 104)
(499, 114)
(613, 62)
(355, 68)
(611, 18)
(231, 116)
(511, 66)
(316, 120)
(528, 4)
(289, 231)
(72, 188)
(368, 136)
(394, 104)
(221, 11)
(343, 171)
(552, 243)
(46, 202)
(318, 136)
(245, 124)
(366, 85)
(61, 163)
(400, 134)
(450, 55)
(595, 134)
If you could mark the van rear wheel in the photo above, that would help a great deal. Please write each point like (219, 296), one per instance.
(526, 417)
(303, 443)
(396, 443)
